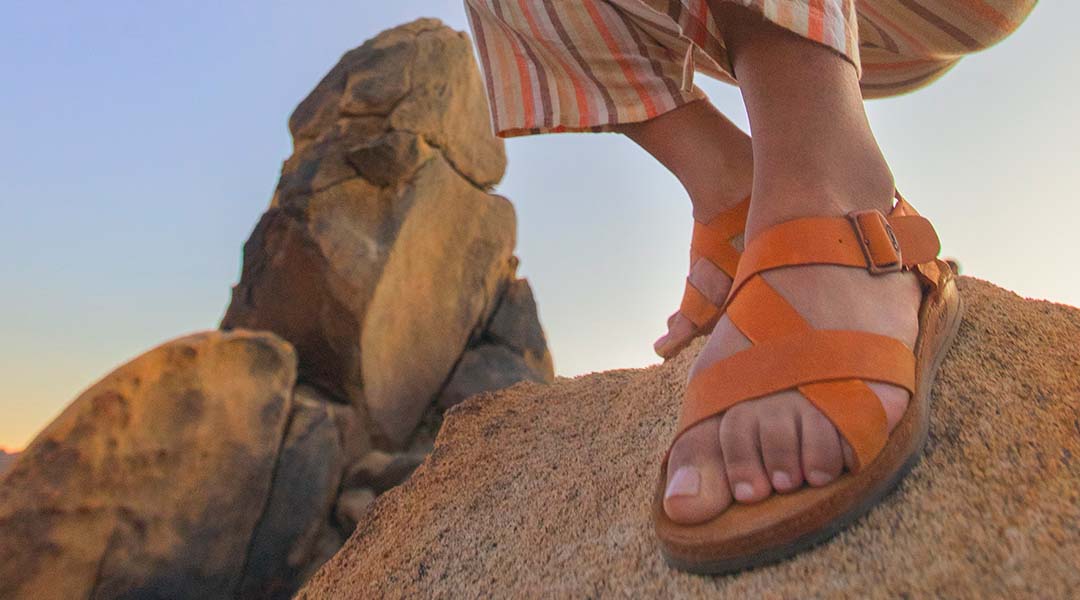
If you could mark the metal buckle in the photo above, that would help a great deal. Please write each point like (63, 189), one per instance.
(878, 242)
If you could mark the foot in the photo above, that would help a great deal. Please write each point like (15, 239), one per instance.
(708, 279)
(779, 443)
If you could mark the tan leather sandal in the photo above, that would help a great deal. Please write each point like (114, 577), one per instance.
(715, 242)
(830, 368)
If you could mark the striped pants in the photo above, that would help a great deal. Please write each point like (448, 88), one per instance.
(586, 65)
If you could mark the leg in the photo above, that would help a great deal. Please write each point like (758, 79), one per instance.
(814, 154)
(713, 159)
(709, 155)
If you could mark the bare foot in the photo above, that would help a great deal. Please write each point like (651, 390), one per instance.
(713, 284)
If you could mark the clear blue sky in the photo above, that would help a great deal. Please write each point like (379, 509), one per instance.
(141, 141)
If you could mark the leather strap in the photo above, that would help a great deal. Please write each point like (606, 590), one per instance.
(828, 367)
(713, 242)
(695, 306)
(790, 361)
(835, 241)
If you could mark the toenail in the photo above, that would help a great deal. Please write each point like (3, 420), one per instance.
(744, 492)
(818, 478)
(781, 480)
(685, 482)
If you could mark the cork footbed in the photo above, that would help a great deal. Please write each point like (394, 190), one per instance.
(750, 535)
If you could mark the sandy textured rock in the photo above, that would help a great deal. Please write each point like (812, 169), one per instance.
(153, 480)
(382, 255)
(544, 491)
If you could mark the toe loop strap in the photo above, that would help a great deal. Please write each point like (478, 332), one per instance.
(790, 361)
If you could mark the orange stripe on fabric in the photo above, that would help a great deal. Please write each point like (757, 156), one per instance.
(579, 90)
(815, 20)
(628, 71)
(701, 13)
(989, 13)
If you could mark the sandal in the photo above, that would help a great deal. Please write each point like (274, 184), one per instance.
(829, 367)
(716, 242)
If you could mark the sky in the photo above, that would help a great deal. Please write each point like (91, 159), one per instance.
(142, 140)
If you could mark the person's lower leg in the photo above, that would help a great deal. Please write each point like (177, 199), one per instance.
(713, 159)
(708, 154)
(814, 152)
(814, 155)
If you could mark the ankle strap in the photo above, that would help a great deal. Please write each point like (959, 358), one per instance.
(862, 239)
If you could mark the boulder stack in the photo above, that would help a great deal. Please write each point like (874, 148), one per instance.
(383, 258)
(377, 291)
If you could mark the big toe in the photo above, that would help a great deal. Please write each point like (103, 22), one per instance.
(696, 488)
(681, 331)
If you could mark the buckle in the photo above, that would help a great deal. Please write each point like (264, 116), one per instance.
(877, 240)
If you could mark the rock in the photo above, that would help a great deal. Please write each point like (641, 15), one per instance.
(390, 158)
(516, 325)
(380, 471)
(352, 505)
(152, 482)
(485, 368)
(420, 77)
(382, 256)
(450, 260)
(446, 104)
(511, 349)
(305, 485)
(546, 490)
(6, 460)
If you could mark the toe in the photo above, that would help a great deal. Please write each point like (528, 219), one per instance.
(680, 332)
(822, 459)
(696, 488)
(778, 436)
(742, 455)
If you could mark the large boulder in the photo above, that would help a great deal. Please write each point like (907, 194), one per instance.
(191, 471)
(545, 491)
(383, 257)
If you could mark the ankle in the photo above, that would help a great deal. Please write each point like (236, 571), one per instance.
(799, 193)
(720, 189)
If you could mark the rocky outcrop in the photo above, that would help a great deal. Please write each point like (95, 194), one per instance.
(377, 290)
(560, 507)
(383, 258)
(163, 478)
